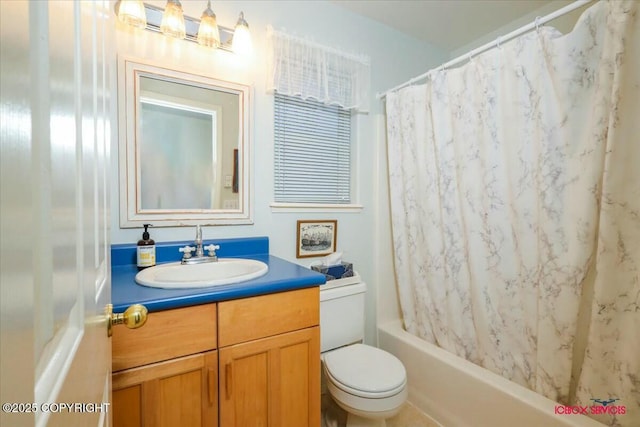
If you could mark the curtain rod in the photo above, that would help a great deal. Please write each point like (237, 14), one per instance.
(535, 24)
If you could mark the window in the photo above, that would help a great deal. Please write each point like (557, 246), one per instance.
(312, 151)
(317, 90)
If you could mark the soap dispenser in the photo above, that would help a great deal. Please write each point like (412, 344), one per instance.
(146, 250)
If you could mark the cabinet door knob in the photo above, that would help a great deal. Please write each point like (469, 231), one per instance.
(133, 317)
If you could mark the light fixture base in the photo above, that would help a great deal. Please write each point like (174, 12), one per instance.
(154, 19)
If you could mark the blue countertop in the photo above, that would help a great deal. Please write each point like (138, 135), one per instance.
(282, 276)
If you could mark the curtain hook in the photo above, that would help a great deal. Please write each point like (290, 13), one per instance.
(498, 41)
(537, 23)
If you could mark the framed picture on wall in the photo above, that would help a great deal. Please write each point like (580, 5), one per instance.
(316, 238)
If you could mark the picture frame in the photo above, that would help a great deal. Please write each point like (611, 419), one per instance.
(316, 237)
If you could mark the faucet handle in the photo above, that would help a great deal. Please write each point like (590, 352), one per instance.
(212, 249)
(187, 251)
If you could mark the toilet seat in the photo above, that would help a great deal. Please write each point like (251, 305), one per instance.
(365, 371)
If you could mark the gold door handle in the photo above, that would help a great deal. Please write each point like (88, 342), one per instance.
(133, 317)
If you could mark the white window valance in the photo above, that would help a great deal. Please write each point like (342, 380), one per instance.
(299, 67)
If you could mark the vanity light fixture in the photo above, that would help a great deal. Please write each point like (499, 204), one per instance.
(132, 12)
(208, 33)
(171, 21)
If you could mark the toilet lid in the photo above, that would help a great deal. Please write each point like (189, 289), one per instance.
(365, 369)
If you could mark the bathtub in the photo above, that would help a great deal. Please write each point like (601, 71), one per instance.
(458, 393)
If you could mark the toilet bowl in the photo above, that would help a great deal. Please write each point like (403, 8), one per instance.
(368, 383)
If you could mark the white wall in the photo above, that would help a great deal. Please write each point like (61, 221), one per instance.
(563, 23)
(394, 57)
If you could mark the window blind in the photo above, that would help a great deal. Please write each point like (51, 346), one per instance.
(312, 151)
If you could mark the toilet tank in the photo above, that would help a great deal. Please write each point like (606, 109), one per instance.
(341, 313)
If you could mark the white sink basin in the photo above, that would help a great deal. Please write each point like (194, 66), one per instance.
(225, 271)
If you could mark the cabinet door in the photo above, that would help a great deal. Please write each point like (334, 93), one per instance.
(179, 392)
(272, 382)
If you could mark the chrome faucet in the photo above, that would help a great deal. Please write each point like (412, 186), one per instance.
(198, 242)
(199, 256)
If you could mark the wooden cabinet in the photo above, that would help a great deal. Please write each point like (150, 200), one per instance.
(270, 377)
(166, 373)
(272, 382)
(252, 362)
(178, 392)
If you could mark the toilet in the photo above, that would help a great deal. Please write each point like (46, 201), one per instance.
(367, 382)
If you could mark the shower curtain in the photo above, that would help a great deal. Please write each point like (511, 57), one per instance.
(514, 181)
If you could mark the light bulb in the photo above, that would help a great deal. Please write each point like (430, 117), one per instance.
(208, 33)
(132, 12)
(241, 37)
(173, 20)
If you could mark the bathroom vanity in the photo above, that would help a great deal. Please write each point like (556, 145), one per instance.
(242, 354)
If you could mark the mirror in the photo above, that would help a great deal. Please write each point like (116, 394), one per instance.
(184, 148)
